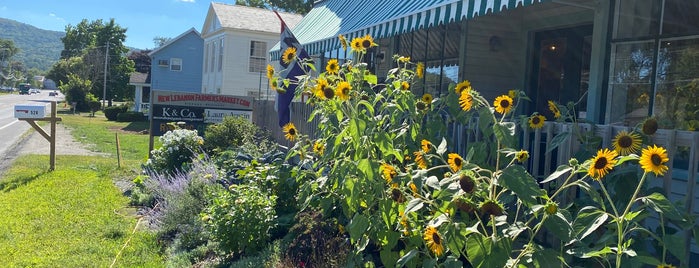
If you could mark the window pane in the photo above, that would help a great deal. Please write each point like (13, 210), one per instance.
(630, 82)
(637, 18)
(681, 17)
(677, 85)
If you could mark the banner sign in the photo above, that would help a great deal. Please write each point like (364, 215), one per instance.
(194, 110)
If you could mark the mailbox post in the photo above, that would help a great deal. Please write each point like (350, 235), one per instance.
(33, 113)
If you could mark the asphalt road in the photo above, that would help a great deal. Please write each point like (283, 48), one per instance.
(13, 131)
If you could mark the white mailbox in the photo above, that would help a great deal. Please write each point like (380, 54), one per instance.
(30, 111)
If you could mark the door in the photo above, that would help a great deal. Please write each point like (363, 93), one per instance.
(561, 69)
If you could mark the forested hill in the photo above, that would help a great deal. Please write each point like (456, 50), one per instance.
(38, 48)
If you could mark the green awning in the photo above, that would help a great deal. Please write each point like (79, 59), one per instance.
(318, 30)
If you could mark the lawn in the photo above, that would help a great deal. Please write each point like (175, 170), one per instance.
(76, 216)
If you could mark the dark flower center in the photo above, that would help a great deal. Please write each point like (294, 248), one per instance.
(366, 44)
(504, 103)
(467, 184)
(421, 106)
(601, 163)
(332, 66)
(435, 237)
(457, 161)
(536, 120)
(650, 127)
(625, 141)
(345, 90)
(328, 92)
(397, 196)
(656, 160)
(292, 131)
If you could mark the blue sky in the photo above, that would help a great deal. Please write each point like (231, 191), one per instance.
(144, 19)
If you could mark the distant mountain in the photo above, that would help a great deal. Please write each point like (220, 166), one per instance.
(38, 48)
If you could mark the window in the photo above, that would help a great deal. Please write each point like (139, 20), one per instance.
(258, 57)
(163, 63)
(220, 55)
(175, 64)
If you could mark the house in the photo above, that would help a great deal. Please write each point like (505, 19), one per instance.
(141, 83)
(616, 61)
(236, 42)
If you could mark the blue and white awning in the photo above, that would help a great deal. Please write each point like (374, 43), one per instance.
(318, 30)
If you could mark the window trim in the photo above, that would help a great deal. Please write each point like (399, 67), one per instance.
(252, 57)
(173, 62)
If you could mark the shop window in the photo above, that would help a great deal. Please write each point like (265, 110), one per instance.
(637, 18)
(630, 82)
(677, 84)
(680, 17)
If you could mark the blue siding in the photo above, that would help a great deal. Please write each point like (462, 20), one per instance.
(189, 48)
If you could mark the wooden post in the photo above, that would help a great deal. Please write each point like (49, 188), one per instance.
(51, 138)
(118, 149)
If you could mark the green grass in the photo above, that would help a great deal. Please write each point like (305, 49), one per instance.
(76, 216)
(71, 217)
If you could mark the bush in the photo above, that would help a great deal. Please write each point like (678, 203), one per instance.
(316, 242)
(241, 218)
(179, 146)
(234, 131)
(111, 112)
(129, 116)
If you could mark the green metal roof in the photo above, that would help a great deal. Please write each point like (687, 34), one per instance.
(318, 30)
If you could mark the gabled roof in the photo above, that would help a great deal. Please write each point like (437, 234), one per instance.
(238, 17)
(139, 78)
(173, 40)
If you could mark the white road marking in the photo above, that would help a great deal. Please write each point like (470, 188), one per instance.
(2, 127)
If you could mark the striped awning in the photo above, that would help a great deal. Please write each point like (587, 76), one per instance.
(318, 30)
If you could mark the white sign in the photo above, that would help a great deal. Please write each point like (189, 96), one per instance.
(30, 111)
(216, 115)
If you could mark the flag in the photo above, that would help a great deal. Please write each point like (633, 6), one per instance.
(290, 71)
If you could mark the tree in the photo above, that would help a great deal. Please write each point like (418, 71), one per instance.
(141, 60)
(293, 6)
(7, 51)
(159, 41)
(77, 91)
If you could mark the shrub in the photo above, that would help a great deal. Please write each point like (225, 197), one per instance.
(179, 146)
(111, 112)
(234, 131)
(316, 242)
(130, 116)
(240, 218)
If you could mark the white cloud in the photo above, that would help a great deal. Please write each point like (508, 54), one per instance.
(188, 1)
(52, 14)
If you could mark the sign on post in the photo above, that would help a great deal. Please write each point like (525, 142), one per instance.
(30, 111)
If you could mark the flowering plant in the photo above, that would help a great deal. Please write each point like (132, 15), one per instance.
(381, 163)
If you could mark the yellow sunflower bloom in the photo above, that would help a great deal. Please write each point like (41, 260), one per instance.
(434, 241)
(343, 41)
(333, 67)
(602, 163)
(368, 42)
(427, 98)
(460, 87)
(626, 143)
(403, 59)
(512, 93)
(413, 188)
(653, 159)
(321, 87)
(356, 44)
(455, 162)
(503, 104)
(420, 160)
(270, 71)
(522, 156)
(466, 100)
(289, 55)
(343, 90)
(318, 147)
(425, 145)
(274, 84)
(405, 85)
(554, 109)
(420, 70)
(388, 172)
(537, 121)
(290, 132)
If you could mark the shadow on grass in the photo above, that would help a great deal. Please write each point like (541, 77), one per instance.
(6, 186)
(137, 126)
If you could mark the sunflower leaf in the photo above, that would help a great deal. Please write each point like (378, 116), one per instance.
(559, 172)
(414, 205)
(517, 180)
(442, 148)
(406, 258)
(557, 141)
(660, 204)
(433, 182)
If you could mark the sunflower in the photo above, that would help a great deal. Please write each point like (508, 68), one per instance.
(421, 106)
(388, 172)
(522, 156)
(420, 159)
(270, 71)
(467, 183)
(404, 85)
(460, 87)
(626, 143)
(290, 132)
(318, 147)
(512, 93)
(551, 207)
(427, 98)
(490, 207)
(434, 240)
(289, 55)
(650, 126)
(413, 188)
(455, 162)
(274, 84)
(425, 145)
(343, 41)
(554, 109)
(404, 223)
(397, 195)
(536, 121)
(403, 59)
(333, 67)
(665, 265)
(602, 163)
(368, 42)
(420, 70)
(466, 100)
(653, 159)
(343, 90)
(321, 87)
(503, 104)
(357, 44)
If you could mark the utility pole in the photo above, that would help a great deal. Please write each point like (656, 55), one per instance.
(104, 88)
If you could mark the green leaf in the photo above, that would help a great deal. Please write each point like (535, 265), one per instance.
(559, 225)
(675, 244)
(356, 128)
(660, 204)
(406, 258)
(546, 257)
(368, 168)
(557, 140)
(442, 148)
(505, 133)
(588, 220)
(485, 252)
(371, 79)
(433, 182)
(357, 226)
(597, 253)
(562, 169)
(368, 106)
(517, 179)
(414, 205)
